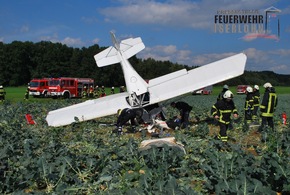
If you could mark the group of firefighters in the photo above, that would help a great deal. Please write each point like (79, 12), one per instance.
(93, 92)
(222, 110)
(98, 92)
(225, 107)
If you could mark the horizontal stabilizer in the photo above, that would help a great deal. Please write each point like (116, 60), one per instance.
(128, 48)
(107, 57)
(131, 47)
(88, 110)
(199, 77)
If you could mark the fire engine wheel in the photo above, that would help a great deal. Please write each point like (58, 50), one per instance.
(66, 95)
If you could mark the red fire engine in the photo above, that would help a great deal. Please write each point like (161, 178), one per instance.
(68, 87)
(38, 87)
(241, 89)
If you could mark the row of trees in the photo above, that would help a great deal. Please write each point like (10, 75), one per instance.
(22, 61)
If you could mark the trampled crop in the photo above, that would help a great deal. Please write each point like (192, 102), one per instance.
(86, 158)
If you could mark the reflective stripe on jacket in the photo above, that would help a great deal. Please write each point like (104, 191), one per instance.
(268, 104)
(224, 110)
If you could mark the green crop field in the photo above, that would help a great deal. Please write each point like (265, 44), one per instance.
(87, 158)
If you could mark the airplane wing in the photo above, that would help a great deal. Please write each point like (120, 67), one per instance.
(88, 110)
(161, 79)
(173, 85)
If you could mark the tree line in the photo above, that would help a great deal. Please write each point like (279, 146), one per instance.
(22, 61)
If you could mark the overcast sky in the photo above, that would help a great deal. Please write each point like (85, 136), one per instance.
(182, 31)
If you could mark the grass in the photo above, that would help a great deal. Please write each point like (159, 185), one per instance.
(16, 94)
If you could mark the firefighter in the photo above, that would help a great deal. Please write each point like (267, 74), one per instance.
(103, 92)
(84, 92)
(113, 90)
(256, 102)
(26, 95)
(184, 110)
(122, 89)
(268, 106)
(97, 92)
(220, 96)
(128, 114)
(91, 92)
(2, 93)
(249, 105)
(222, 111)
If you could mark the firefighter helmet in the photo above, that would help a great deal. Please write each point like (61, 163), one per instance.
(267, 85)
(256, 87)
(228, 95)
(226, 87)
(249, 89)
(1, 87)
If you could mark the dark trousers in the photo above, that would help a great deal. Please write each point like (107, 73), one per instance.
(184, 119)
(267, 121)
(248, 115)
(124, 118)
(223, 132)
(255, 112)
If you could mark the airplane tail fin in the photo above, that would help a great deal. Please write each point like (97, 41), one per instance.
(127, 48)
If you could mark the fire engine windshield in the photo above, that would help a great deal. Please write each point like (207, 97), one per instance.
(53, 83)
(34, 84)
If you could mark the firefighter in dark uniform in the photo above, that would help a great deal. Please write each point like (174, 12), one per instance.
(113, 90)
(91, 92)
(103, 92)
(122, 89)
(268, 106)
(2, 93)
(84, 92)
(249, 105)
(26, 95)
(220, 96)
(97, 92)
(128, 114)
(222, 111)
(184, 110)
(256, 102)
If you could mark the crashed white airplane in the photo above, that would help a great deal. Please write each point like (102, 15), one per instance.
(140, 93)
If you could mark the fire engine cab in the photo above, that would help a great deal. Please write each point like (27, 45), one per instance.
(38, 87)
(68, 87)
(241, 89)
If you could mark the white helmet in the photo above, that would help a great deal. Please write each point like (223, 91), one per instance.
(226, 87)
(1, 86)
(256, 87)
(249, 89)
(266, 85)
(228, 94)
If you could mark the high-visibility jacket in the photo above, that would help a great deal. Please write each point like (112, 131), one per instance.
(224, 109)
(269, 103)
(2, 92)
(256, 98)
(84, 94)
(249, 103)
